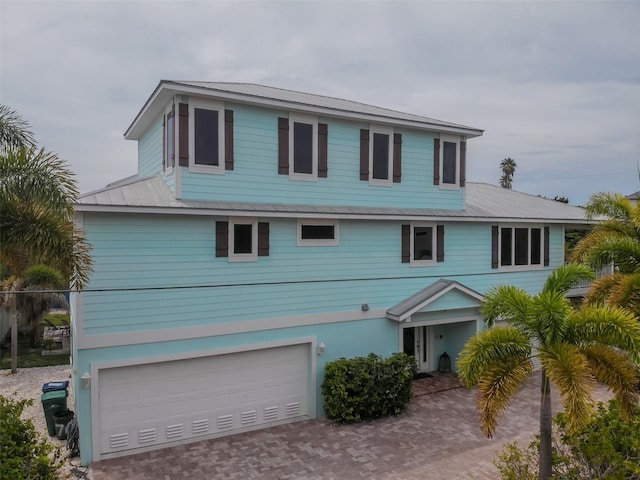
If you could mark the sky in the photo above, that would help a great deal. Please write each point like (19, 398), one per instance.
(554, 85)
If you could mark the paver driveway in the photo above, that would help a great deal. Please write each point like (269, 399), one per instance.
(438, 438)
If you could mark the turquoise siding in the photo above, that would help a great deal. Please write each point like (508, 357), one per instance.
(150, 150)
(132, 253)
(256, 164)
(341, 339)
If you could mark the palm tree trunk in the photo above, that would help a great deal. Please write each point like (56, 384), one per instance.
(544, 472)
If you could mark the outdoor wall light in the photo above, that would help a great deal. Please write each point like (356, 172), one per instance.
(365, 307)
(86, 379)
(320, 349)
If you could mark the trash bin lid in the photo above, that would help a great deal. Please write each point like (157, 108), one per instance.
(54, 394)
(50, 386)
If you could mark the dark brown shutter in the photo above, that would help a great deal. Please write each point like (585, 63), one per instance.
(228, 139)
(165, 155)
(397, 157)
(436, 161)
(494, 246)
(322, 150)
(283, 146)
(183, 134)
(463, 163)
(440, 243)
(406, 243)
(222, 239)
(263, 239)
(364, 154)
(546, 246)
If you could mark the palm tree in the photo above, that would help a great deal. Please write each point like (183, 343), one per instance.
(573, 347)
(613, 241)
(37, 194)
(508, 167)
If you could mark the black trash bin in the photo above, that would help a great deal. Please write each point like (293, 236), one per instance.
(61, 419)
(53, 401)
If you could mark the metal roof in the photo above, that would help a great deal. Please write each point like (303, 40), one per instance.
(483, 203)
(285, 99)
(420, 299)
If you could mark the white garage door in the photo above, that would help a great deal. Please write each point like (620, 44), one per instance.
(152, 404)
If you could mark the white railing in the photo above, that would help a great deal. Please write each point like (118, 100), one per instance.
(601, 272)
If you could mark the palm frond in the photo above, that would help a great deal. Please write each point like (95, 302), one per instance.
(616, 370)
(623, 252)
(15, 132)
(496, 388)
(549, 311)
(607, 325)
(568, 370)
(626, 293)
(566, 276)
(600, 289)
(611, 205)
(490, 347)
(506, 302)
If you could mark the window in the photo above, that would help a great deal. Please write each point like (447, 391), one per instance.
(422, 243)
(312, 232)
(303, 141)
(380, 156)
(169, 138)
(521, 247)
(302, 147)
(449, 161)
(242, 239)
(206, 137)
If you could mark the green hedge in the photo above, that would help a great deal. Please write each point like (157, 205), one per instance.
(365, 388)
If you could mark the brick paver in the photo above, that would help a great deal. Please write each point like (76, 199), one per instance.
(437, 438)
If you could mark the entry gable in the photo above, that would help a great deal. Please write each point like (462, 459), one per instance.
(448, 294)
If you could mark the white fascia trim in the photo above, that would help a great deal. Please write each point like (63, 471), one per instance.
(97, 366)
(442, 321)
(167, 89)
(85, 342)
(420, 306)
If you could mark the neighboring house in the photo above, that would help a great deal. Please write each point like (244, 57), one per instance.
(633, 198)
(268, 232)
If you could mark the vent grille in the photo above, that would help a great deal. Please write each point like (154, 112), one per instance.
(248, 417)
(147, 435)
(118, 440)
(200, 426)
(292, 409)
(225, 421)
(174, 431)
(271, 413)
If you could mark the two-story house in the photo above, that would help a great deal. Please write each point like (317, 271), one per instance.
(268, 232)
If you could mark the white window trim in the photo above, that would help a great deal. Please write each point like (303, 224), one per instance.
(373, 129)
(520, 268)
(456, 140)
(434, 244)
(319, 242)
(243, 257)
(206, 105)
(168, 169)
(313, 121)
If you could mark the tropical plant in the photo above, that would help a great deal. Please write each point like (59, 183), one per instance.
(613, 241)
(508, 167)
(573, 347)
(37, 194)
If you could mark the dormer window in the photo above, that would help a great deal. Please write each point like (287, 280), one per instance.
(206, 137)
(169, 138)
(449, 162)
(303, 151)
(380, 156)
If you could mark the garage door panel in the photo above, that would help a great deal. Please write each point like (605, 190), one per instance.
(159, 403)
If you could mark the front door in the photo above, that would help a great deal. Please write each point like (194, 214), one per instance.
(417, 342)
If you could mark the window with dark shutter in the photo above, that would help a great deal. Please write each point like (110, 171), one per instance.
(222, 239)
(463, 163)
(397, 158)
(263, 239)
(322, 150)
(228, 140)
(364, 155)
(283, 146)
(494, 247)
(183, 134)
(546, 246)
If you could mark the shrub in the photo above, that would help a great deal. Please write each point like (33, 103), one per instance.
(608, 448)
(24, 454)
(364, 388)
